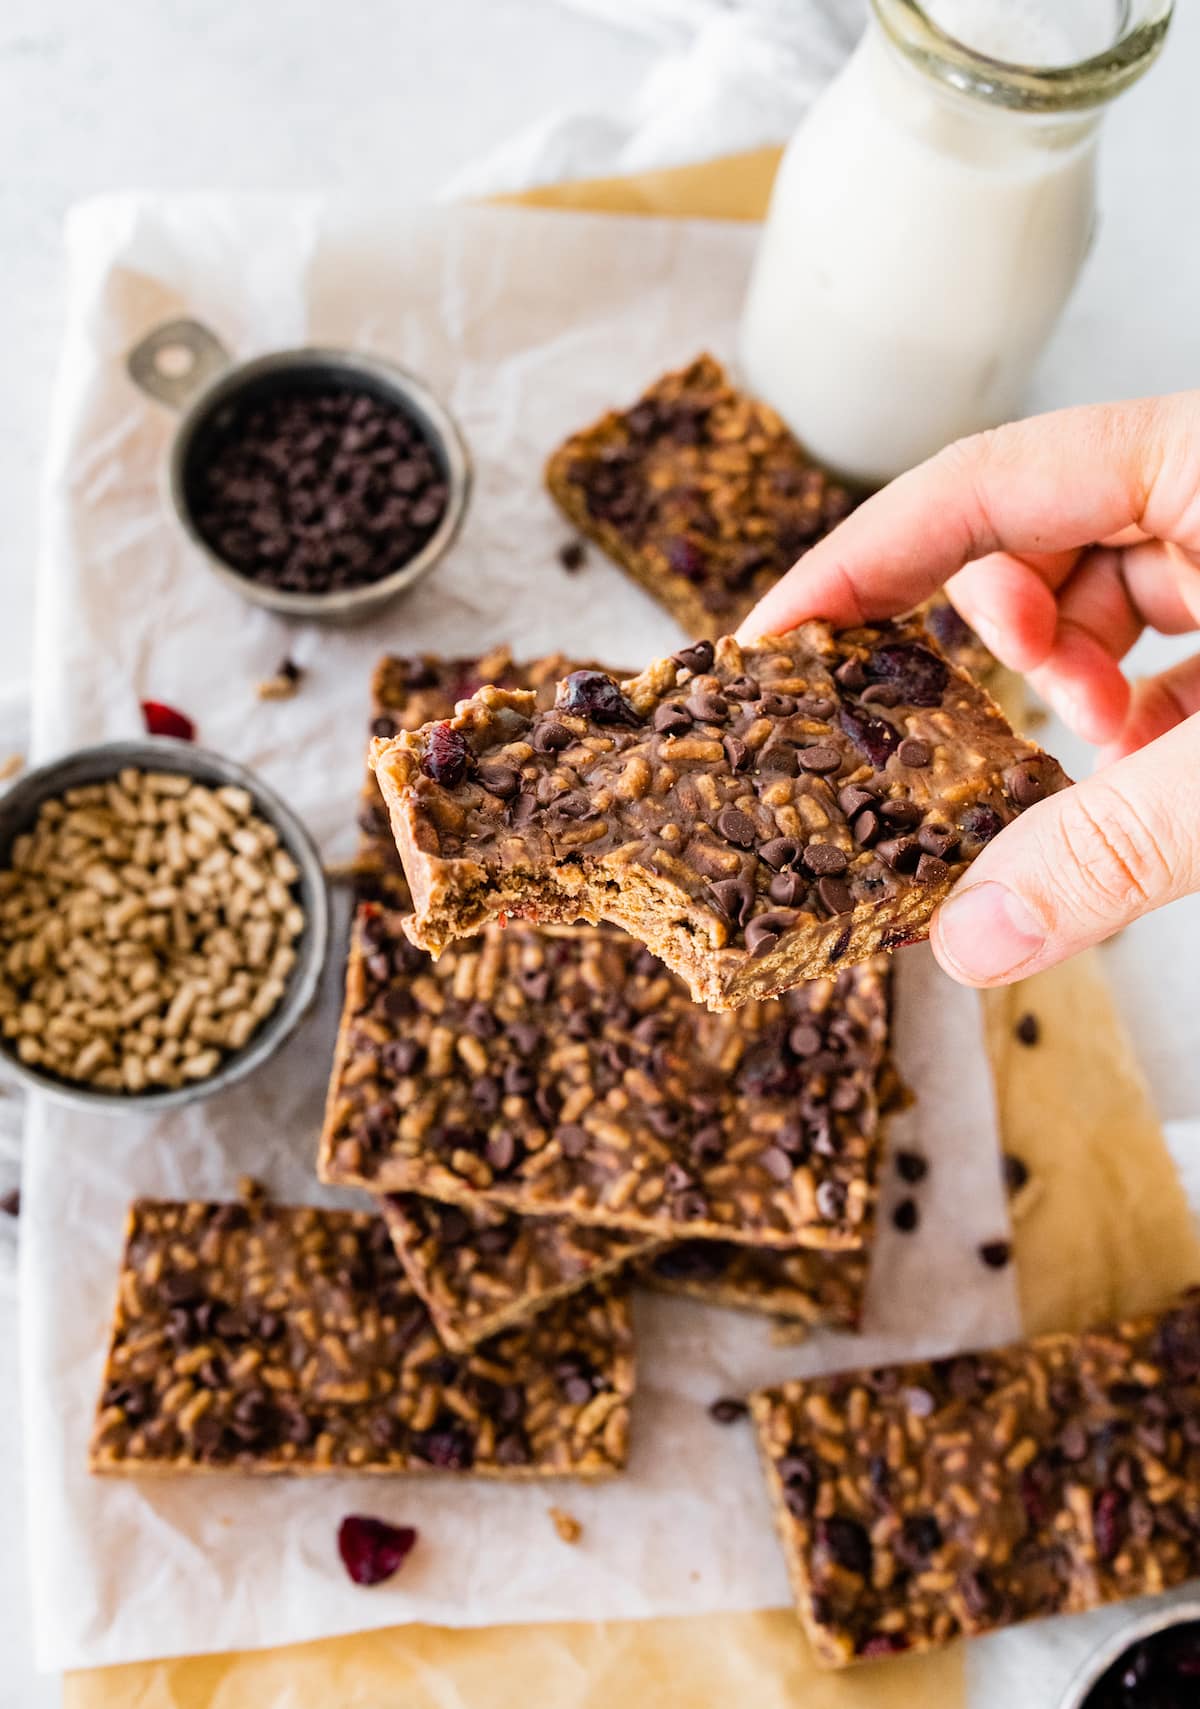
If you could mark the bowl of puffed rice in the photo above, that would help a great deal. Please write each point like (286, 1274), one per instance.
(163, 924)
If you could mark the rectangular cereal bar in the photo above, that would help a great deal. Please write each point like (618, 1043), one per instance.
(699, 492)
(568, 1074)
(481, 1271)
(756, 815)
(921, 1502)
(261, 1338)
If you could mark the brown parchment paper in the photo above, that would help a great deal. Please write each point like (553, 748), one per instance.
(1101, 1229)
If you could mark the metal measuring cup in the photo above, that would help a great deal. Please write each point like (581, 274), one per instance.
(184, 365)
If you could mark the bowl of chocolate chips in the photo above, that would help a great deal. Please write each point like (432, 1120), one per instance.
(1152, 1663)
(319, 483)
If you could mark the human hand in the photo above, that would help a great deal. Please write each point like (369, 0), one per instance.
(1009, 521)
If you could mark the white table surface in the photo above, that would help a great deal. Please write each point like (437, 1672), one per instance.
(303, 94)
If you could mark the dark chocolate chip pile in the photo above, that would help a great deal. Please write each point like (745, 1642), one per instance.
(1160, 1672)
(316, 490)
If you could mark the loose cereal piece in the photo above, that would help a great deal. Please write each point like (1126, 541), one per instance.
(566, 1524)
(756, 816)
(807, 1289)
(568, 1074)
(481, 1271)
(921, 1502)
(699, 492)
(266, 1339)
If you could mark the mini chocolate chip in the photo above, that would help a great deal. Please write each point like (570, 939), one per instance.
(817, 707)
(851, 675)
(834, 894)
(737, 827)
(922, 1534)
(734, 897)
(820, 760)
(914, 752)
(728, 1410)
(937, 840)
(1024, 783)
(906, 1216)
(736, 752)
(867, 828)
(776, 706)
(573, 805)
(900, 853)
(911, 1166)
(696, 659)
(676, 1178)
(1016, 1172)
(880, 694)
(995, 1253)
(823, 860)
(852, 798)
(788, 889)
(765, 930)
(901, 815)
(551, 737)
(672, 720)
(779, 758)
(780, 852)
(1028, 1029)
(501, 1151)
(708, 707)
(777, 1163)
(742, 688)
(571, 555)
(931, 870)
(847, 1543)
(453, 1226)
(480, 1022)
(1073, 1441)
(805, 1039)
(499, 780)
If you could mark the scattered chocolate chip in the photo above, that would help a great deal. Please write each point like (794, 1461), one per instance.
(831, 1200)
(937, 840)
(913, 752)
(499, 780)
(696, 659)
(371, 1549)
(930, 870)
(900, 853)
(708, 707)
(787, 889)
(728, 1410)
(736, 752)
(906, 1216)
(911, 1166)
(780, 852)
(995, 1253)
(737, 827)
(820, 760)
(823, 860)
(1028, 1029)
(1016, 1172)
(572, 555)
(10, 1203)
(834, 894)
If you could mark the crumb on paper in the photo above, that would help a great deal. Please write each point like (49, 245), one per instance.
(250, 1191)
(11, 766)
(284, 683)
(566, 1524)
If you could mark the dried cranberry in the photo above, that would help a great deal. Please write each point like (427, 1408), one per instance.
(919, 675)
(922, 1535)
(981, 823)
(447, 757)
(882, 1644)
(371, 1549)
(164, 720)
(594, 695)
(947, 627)
(873, 737)
(685, 558)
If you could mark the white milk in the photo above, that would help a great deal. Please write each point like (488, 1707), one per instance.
(919, 248)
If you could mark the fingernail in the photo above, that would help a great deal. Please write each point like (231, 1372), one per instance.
(987, 932)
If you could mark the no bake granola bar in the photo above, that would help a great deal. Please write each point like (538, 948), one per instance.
(808, 1288)
(919, 1502)
(757, 816)
(568, 1074)
(481, 1271)
(699, 492)
(267, 1339)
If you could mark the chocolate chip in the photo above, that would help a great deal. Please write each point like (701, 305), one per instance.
(900, 853)
(931, 870)
(696, 659)
(900, 815)
(922, 1535)
(867, 828)
(1028, 1029)
(906, 1216)
(777, 1163)
(852, 799)
(449, 1447)
(765, 930)
(728, 1410)
(911, 1166)
(708, 707)
(572, 555)
(572, 1139)
(788, 889)
(995, 1253)
(913, 752)
(742, 688)
(817, 707)
(501, 1151)
(1025, 783)
(1016, 1172)
(671, 719)
(499, 780)
(805, 1039)
(847, 1543)
(834, 894)
(880, 694)
(780, 852)
(737, 827)
(776, 706)
(734, 897)
(551, 737)
(780, 758)
(573, 805)
(736, 752)
(851, 675)
(823, 860)
(820, 760)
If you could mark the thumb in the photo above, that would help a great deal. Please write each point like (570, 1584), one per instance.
(1078, 866)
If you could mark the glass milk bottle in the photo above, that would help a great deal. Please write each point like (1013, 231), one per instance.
(929, 219)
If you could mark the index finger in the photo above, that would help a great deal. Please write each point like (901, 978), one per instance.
(1049, 484)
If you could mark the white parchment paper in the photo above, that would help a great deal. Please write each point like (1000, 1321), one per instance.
(527, 324)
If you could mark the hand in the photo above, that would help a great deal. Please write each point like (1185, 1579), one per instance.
(1009, 520)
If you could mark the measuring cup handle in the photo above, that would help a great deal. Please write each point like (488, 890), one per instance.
(172, 363)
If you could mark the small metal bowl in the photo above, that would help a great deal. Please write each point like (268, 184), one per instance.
(185, 366)
(1092, 1671)
(19, 809)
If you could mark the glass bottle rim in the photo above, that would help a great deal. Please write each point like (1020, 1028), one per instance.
(1087, 83)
